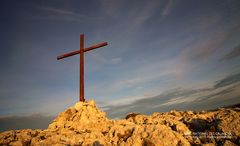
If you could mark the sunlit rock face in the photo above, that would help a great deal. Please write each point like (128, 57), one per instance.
(85, 124)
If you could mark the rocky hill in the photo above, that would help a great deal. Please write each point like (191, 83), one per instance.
(85, 124)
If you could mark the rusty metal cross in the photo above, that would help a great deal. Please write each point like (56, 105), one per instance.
(81, 52)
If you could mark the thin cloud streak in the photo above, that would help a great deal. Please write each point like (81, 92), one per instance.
(231, 79)
(168, 7)
(65, 15)
(138, 77)
(206, 47)
(58, 11)
(178, 97)
(232, 54)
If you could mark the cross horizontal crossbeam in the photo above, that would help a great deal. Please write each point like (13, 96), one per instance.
(85, 50)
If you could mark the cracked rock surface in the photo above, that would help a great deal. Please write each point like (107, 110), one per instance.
(85, 124)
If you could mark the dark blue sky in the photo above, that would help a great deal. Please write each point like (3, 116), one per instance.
(162, 54)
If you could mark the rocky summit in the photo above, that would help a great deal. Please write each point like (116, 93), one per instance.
(85, 124)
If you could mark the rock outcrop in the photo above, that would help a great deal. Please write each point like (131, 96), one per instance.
(85, 124)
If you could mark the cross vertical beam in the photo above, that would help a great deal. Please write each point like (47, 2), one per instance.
(81, 52)
(81, 81)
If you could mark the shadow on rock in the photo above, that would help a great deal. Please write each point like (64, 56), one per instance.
(201, 125)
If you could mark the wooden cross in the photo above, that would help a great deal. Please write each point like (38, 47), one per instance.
(81, 52)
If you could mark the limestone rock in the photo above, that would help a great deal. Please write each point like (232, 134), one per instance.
(85, 124)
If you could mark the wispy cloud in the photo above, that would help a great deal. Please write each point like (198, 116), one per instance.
(58, 11)
(206, 47)
(232, 54)
(116, 60)
(137, 14)
(180, 98)
(53, 13)
(146, 12)
(102, 59)
(138, 77)
(123, 18)
(168, 7)
(231, 79)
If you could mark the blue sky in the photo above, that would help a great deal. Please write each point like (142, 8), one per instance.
(162, 55)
